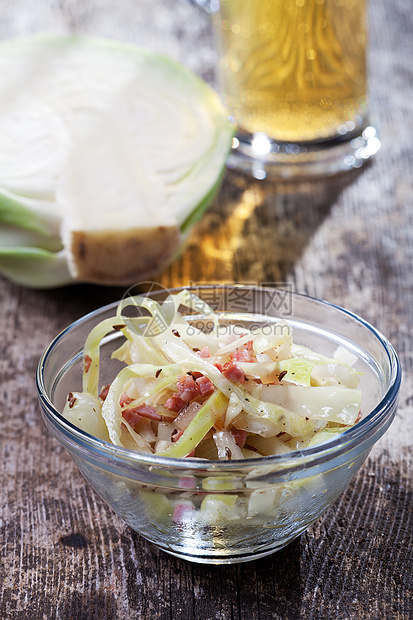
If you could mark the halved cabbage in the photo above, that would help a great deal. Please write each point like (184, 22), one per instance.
(108, 154)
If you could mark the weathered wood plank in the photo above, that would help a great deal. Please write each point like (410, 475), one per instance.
(64, 554)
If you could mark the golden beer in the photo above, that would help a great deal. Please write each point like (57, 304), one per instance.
(294, 70)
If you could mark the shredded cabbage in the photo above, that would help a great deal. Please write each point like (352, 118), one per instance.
(213, 393)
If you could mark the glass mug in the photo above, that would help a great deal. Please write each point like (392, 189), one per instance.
(293, 75)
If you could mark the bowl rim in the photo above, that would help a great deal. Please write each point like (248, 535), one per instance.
(324, 451)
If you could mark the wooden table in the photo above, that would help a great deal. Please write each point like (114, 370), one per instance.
(64, 554)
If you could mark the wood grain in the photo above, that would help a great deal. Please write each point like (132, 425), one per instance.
(64, 554)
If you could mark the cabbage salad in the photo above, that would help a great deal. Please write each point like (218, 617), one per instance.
(195, 384)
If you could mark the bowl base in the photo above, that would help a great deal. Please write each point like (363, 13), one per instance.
(226, 556)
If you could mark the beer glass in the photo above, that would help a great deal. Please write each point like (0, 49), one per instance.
(293, 76)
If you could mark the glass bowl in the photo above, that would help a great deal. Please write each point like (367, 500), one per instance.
(277, 497)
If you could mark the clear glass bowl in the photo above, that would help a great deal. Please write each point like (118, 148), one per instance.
(291, 491)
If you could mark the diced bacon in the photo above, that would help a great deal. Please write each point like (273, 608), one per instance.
(125, 400)
(196, 374)
(242, 355)
(87, 360)
(104, 392)
(240, 437)
(358, 417)
(204, 352)
(205, 386)
(148, 411)
(131, 416)
(182, 512)
(232, 372)
(219, 366)
(187, 482)
(145, 411)
(174, 403)
(187, 389)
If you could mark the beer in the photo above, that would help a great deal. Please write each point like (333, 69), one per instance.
(294, 70)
